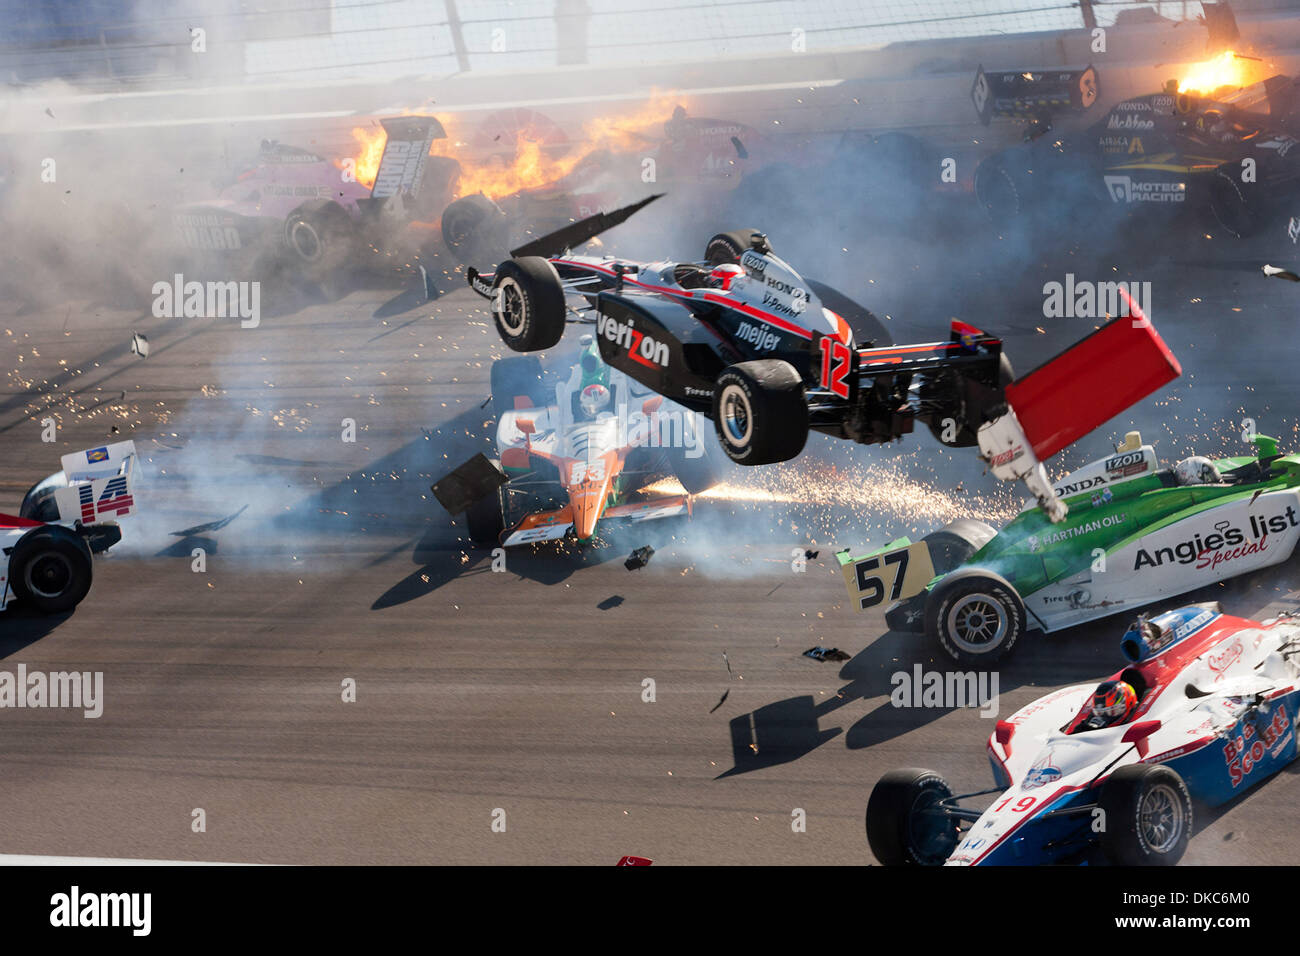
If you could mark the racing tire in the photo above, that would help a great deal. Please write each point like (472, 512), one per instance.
(900, 831)
(485, 519)
(953, 544)
(476, 231)
(320, 237)
(529, 306)
(513, 377)
(51, 568)
(1233, 202)
(728, 247)
(976, 616)
(39, 503)
(1148, 816)
(759, 412)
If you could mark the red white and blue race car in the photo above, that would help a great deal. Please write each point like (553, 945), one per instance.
(1205, 709)
(46, 549)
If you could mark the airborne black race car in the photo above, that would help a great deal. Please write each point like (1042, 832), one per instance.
(1232, 152)
(769, 355)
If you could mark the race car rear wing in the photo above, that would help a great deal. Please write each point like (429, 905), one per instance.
(1033, 95)
(401, 168)
(1092, 381)
(100, 486)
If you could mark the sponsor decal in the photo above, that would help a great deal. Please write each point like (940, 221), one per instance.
(400, 168)
(1088, 527)
(1227, 543)
(1219, 663)
(1125, 189)
(641, 348)
(1244, 752)
(1130, 122)
(1102, 498)
(761, 339)
(1077, 487)
(752, 262)
(701, 392)
(1133, 106)
(1129, 463)
(1114, 144)
(96, 455)
(482, 286)
(1041, 773)
(778, 303)
(1006, 457)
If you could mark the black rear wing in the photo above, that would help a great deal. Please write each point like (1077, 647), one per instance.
(1034, 95)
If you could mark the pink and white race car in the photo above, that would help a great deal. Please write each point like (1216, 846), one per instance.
(46, 549)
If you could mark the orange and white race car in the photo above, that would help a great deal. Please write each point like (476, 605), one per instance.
(578, 449)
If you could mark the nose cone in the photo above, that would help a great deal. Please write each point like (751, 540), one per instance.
(588, 504)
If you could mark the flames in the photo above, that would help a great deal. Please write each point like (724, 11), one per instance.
(526, 158)
(1227, 69)
(370, 150)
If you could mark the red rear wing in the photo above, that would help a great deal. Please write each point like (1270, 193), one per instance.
(1091, 382)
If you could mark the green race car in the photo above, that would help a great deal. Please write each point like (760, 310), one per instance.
(1135, 533)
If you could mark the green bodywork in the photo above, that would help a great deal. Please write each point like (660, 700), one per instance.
(1031, 552)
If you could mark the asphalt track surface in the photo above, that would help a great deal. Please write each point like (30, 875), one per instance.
(522, 690)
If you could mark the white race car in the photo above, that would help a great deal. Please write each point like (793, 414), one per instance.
(46, 549)
(1206, 708)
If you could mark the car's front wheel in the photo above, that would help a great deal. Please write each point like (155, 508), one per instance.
(529, 305)
(976, 616)
(906, 824)
(1147, 816)
(760, 412)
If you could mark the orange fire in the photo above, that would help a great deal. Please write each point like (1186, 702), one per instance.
(526, 163)
(370, 143)
(1226, 69)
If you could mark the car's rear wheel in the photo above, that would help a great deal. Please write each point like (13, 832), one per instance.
(51, 568)
(320, 238)
(529, 304)
(728, 247)
(759, 412)
(905, 824)
(976, 616)
(953, 544)
(476, 231)
(1147, 816)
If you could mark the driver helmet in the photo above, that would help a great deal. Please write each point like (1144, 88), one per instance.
(1197, 470)
(594, 399)
(1112, 703)
(724, 274)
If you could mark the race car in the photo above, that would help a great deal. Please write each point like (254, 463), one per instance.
(768, 354)
(46, 549)
(1136, 533)
(1205, 709)
(294, 201)
(1231, 152)
(574, 454)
